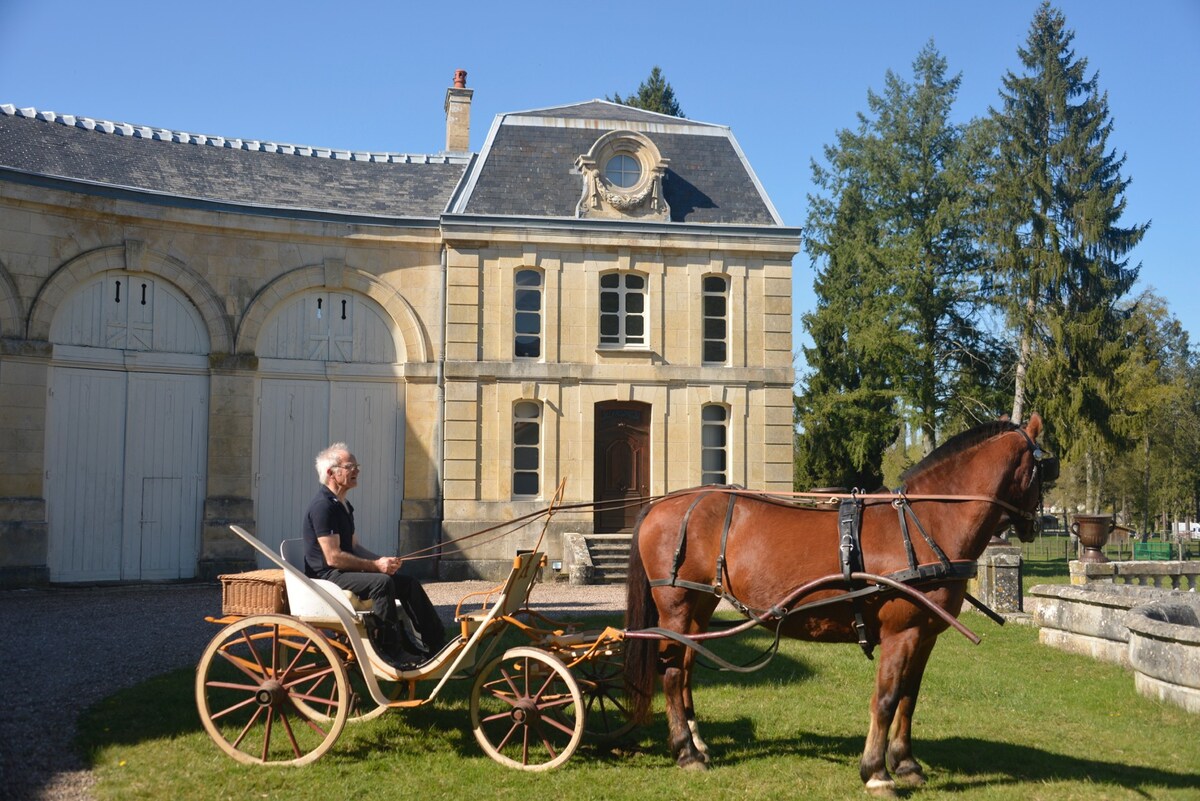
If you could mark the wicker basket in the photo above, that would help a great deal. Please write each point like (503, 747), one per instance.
(253, 593)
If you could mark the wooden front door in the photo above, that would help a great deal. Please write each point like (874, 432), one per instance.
(622, 473)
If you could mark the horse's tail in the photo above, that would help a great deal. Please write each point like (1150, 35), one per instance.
(640, 613)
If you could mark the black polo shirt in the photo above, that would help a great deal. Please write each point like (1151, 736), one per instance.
(326, 515)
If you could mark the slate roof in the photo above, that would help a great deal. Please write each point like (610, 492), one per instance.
(525, 170)
(527, 167)
(257, 174)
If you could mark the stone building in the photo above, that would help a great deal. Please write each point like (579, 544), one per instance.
(599, 299)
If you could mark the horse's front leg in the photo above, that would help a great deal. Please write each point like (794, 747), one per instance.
(680, 713)
(904, 767)
(896, 654)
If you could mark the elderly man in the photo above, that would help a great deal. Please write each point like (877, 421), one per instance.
(333, 552)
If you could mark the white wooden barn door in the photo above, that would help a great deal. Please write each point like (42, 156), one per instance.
(127, 433)
(165, 463)
(321, 384)
(85, 447)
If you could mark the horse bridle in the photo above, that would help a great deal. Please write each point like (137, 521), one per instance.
(1045, 471)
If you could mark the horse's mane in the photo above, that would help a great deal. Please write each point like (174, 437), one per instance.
(956, 445)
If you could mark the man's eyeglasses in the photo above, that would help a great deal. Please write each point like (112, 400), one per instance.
(352, 467)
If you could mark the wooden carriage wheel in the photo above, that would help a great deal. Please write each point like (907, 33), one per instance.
(602, 681)
(526, 710)
(259, 687)
(362, 704)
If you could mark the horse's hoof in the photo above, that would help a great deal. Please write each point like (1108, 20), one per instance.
(912, 777)
(698, 766)
(882, 788)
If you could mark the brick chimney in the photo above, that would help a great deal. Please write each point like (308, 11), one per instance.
(458, 114)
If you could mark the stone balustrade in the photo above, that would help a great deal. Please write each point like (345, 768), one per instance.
(1162, 575)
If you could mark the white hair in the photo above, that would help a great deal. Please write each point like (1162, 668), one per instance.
(328, 458)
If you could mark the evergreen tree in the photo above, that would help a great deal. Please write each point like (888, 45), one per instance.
(846, 411)
(924, 177)
(898, 292)
(653, 94)
(1154, 414)
(1059, 255)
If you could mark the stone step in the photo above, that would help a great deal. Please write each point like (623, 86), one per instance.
(599, 554)
(603, 576)
(610, 556)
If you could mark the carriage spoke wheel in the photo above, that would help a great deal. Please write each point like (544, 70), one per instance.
(272, 690)
(362, 704)
(527, 711)
(602, 682)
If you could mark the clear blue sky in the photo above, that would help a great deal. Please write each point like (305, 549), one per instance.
(784, 76)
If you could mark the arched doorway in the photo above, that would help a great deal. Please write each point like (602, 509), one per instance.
(325, 362)
(622, 463)
(126, 431)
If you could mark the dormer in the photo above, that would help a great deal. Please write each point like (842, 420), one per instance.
(622, 178)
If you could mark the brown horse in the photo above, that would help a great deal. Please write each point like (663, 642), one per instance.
(692, 548)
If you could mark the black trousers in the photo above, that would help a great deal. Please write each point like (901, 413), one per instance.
(383, 591)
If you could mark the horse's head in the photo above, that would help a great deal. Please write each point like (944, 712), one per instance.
(1001, 461)
(1036, 469)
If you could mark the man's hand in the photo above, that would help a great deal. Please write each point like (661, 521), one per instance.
(388, 564)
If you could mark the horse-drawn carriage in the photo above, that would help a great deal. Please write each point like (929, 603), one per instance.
(830, 568)
(279, 687)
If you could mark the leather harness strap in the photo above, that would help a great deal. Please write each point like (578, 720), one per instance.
(850, 555)
(681, 552)
(850, 558)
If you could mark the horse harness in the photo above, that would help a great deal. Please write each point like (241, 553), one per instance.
(850, 558)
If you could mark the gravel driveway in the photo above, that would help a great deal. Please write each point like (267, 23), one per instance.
(65, 649)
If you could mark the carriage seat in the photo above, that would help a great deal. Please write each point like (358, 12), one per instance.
(302, 601)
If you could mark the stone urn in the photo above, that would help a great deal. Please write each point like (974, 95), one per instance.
(1093, 531)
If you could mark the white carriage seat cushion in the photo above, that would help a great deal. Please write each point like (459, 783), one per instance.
(302, 600)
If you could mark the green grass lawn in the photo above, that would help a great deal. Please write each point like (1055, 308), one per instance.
(1006, 719)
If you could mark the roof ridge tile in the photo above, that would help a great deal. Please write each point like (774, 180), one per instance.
(183, 137)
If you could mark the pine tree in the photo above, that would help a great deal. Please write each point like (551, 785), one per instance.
(895, 326)
(924, 179)
(847, 409)
(653, 94)
(1059, 255)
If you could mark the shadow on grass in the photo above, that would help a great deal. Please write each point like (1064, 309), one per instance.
(164, 708)
(953, 764)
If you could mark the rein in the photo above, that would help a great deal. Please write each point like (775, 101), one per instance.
(790, 499)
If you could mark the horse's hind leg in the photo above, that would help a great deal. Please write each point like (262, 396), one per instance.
(680, 713)
(898, 655)
(904, 767)
(689, 707)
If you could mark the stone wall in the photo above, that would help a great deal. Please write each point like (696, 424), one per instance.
(1152, 631)
(235, 270)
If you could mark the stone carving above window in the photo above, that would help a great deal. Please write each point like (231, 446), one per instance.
(622, 179)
